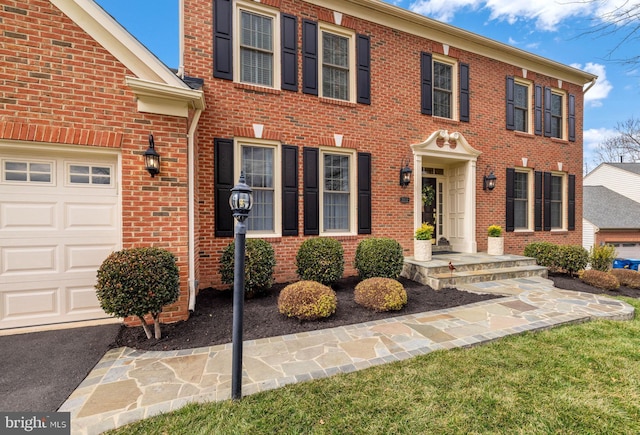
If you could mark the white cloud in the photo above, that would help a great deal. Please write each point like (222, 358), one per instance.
(601, 89)
(595, 136)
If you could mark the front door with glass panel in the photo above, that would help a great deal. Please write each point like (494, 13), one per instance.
(432, 206)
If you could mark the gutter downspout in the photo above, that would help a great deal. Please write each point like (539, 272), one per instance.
(193, 283)
(593, 82)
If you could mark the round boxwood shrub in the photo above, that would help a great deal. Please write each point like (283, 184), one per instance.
(572, 258)
(307, 300)
(381, 294)
(627, 277)
(320, 259)
(259, 264)
(545, 253)
(599, 279)
(137, 282)
(379, 257)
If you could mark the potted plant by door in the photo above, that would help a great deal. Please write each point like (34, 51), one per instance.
(495, 241)
(422, 242)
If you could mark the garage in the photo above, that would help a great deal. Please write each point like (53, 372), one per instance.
(59, 219)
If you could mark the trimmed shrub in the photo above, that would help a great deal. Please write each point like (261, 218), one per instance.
(320, 259)
(137, 282)
(259, 263)
(381, 294)
(379, 257)
(307, 300)
(571, 258)
(600, 279)
(601, 257)
(627, 277)
(545, 253)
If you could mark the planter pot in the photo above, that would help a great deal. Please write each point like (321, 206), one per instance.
(422, 250)
(495, 246)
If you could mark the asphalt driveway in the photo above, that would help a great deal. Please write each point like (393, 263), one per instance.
(39, 370)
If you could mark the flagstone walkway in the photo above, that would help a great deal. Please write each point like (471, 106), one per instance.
(129, 385)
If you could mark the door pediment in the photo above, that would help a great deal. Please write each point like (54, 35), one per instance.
(444, 144)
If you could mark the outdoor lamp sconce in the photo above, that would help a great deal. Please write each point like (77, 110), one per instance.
(152, 158)
(489, 181)
(241, 199)
(405, 174)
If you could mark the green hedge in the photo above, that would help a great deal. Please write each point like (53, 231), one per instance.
(259, 264)
(379, 257)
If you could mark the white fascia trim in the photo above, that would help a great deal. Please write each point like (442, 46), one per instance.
(401, 19)
(106, 31)
(163, 99)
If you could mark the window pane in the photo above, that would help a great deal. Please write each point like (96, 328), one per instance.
(520, 214)
(442, 104)
(521, 200)
(442, 76)
(556, 105)
(75, 169)
(442, 86)
(79, 179)
(258, 167)
(335, 66)
(521, 96)
(15, 166)
(556, 202)
(256, 51)
(336, 193)
(335, 83)
(15, 176)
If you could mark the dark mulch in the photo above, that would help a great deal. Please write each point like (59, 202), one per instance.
(567, 282)
(211, 322)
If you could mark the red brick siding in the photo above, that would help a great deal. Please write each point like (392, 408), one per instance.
(385, 128)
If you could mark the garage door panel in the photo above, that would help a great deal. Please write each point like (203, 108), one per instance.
(83, 258)
(27, 216)
(30, 302)
(83, 299)
(90, 216)
(20, 260)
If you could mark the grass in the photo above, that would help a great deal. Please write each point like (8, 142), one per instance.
(576, 379)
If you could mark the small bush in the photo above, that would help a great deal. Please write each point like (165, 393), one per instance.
(424, 232)
(137, 282)
(307, 300)
(599, 279)
(320, 259)
(601, 257)
(545, 253)
(379, 257)
(627, 277)
(494, 231)
(571, 258)
(381, 294)
(259, 263)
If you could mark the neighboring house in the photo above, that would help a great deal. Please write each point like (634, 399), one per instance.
(321, 103)
(611, 209)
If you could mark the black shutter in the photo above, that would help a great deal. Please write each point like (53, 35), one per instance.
(510, 185)
(364, 193)
(311, 194)
(511, 106)
(537, 201)
(222, 184)
(425, 83)
(289, 25)
(222, 39)
(546, 224)
(364, 69)
(309, 57)
(572, 117)
(547, 112)
(537, 110)
(464, 92)
(289, 190)
(572, 203)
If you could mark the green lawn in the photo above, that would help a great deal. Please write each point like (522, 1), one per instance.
(576, 379)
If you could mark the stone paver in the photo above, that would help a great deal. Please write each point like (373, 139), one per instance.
(128, 385)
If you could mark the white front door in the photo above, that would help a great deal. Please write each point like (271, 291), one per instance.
(59, 219)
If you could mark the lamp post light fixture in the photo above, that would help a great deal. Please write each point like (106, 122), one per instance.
(489, 181)
(152, 158)
(240, 201)
(405, 174)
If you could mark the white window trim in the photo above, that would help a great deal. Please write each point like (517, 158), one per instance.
(530, 103)
(67, 175)
(455, 85)
(565, 200)
(564, 125)
(353, 212)
(277, 181)
(530, 198)
(261, 10)
(53, 172)
(351, 36)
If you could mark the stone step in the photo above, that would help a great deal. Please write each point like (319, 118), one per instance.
(451, 279)
(438, 267)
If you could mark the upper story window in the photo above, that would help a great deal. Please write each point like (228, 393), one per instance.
(337, 72)
(556, 115)
(521, 107)
(442, 89)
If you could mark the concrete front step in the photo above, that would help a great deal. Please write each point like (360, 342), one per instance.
(470, 268)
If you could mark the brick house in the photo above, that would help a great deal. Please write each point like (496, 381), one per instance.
(612, 208)
(321, 103)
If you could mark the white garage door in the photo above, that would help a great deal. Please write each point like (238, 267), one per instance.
(59, 219)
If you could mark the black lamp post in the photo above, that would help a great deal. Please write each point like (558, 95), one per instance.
(240, 201)
(152, 158)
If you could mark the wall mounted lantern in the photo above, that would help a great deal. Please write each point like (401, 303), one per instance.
(152, 158)
(405, 174)
(489, 181)
(240, 201)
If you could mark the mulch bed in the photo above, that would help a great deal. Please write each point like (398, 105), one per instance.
(211, 322)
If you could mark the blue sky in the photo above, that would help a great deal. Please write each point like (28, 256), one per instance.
(555, 29)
